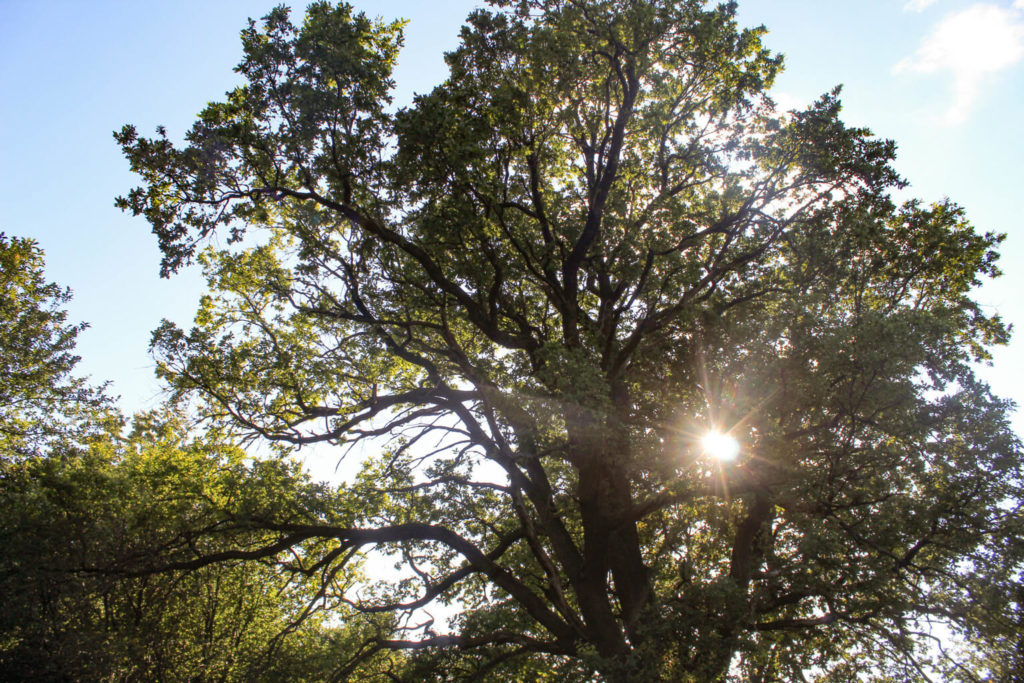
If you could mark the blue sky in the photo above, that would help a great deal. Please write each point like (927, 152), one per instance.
(944, 78)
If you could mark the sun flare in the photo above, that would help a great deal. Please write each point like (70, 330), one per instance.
(721, 447)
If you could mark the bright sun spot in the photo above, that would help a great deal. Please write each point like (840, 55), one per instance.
(720, 446)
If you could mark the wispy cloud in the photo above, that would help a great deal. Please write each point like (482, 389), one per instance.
(920, 5)
(969, 46)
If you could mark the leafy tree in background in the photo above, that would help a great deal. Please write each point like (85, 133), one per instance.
(40, 399)
(531, 293)
(88, 512)
(81, 529)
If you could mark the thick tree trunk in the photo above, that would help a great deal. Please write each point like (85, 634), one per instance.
(611, 544)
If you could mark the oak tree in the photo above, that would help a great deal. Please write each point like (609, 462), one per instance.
(526, 299)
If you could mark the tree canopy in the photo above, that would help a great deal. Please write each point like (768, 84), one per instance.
(40, 397)
(87, 506)
(526, 298)
(80, 523)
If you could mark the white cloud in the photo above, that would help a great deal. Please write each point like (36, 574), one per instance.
(785, 102)
(1019, 4)
(920, 5)
(969, 46)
